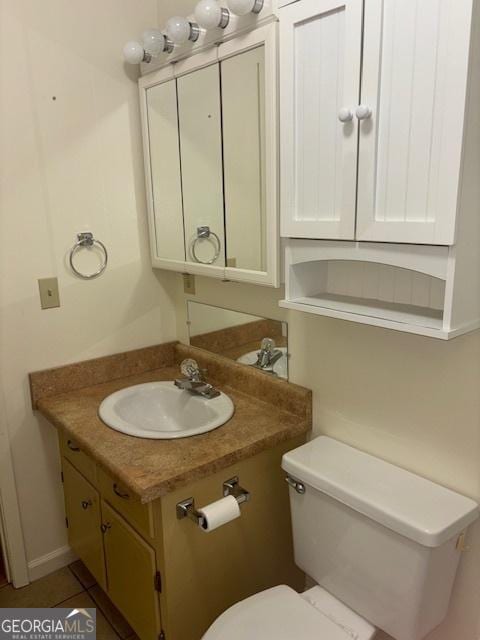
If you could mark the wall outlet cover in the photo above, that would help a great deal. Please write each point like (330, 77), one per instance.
(189, 283)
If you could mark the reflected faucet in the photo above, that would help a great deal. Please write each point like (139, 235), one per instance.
(267, 356)
(194, 382)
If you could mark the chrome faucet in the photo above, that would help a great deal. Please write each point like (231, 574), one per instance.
(194, 382)
(267, 356)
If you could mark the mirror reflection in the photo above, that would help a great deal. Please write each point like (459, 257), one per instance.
(206, 135)
(258, 342)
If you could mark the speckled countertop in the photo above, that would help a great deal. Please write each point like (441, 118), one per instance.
(267, 412)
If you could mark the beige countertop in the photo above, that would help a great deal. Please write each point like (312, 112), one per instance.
(267, 411)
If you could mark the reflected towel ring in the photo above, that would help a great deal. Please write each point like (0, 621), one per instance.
(204, 233)
(86, 240)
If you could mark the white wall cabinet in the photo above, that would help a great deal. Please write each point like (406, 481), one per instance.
(380, 161)
(401, 113)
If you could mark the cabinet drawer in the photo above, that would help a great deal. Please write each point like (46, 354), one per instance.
(83, 463)
(139, 515)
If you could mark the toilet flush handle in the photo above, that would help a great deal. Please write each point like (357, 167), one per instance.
(295, 484)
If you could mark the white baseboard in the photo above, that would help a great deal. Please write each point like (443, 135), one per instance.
(50, 562)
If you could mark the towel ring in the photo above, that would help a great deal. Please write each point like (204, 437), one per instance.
(204, 233)
(86, 240)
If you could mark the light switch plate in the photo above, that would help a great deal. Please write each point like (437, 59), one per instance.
(188, 283)
(49, 294)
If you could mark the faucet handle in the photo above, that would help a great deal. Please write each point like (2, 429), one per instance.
(267, 344)
(190, 369)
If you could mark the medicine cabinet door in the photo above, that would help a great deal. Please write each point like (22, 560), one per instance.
(163, 173)
(243, 107)
(199, 115)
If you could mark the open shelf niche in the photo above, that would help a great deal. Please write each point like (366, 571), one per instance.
(397, 286)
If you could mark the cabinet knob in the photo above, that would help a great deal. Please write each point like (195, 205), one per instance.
(86, 503)
(72, 446)
(105, 527)
(363, 112)
(345, 115)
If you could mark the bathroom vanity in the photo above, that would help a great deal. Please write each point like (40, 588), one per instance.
(169, 578)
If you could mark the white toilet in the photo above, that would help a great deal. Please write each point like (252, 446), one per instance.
(383, 545)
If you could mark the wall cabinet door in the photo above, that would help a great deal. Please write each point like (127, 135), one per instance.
(131, 569)
(320, 56)
(243, 114)
(200, 121)
(414, 77)
(82, 506)
(165, 189)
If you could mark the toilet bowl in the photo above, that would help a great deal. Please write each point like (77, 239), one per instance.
(281, 613)
(383, 544)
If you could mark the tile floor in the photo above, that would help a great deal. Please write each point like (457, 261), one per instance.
(74, 586)
(70, 587)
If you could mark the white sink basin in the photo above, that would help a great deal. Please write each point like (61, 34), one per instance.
(280, 367)
(161, 411)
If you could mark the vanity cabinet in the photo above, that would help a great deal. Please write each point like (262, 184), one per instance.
(210, 145)
(380, 146)
(166, 575)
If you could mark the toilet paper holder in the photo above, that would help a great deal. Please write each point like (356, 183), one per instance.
(186, 508)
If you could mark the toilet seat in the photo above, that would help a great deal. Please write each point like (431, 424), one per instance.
(281, 613)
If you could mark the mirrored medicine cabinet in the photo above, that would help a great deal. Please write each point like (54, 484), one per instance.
(210, 144)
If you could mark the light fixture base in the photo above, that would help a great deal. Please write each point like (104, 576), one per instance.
(195, 31)
(147, 57)
(258, 6)
(168, 46)
(225, 19)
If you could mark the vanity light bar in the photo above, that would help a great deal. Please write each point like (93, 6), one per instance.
(208, 14)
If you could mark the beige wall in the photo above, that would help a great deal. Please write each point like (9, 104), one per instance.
(67, 165)
(411, 400)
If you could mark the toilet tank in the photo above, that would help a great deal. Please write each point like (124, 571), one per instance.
(384, 541)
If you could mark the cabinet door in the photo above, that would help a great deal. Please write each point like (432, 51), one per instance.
(82, 506)
(201, 162)
(414, 82)
(320, 54)
(243, 116)
(131, 572)
(163, 171)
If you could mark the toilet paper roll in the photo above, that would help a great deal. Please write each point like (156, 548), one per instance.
(218, 513)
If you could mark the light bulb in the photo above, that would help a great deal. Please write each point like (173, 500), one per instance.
(242, 7)
(209, 14)
(153, 41)
(180, 30)
(134, 53)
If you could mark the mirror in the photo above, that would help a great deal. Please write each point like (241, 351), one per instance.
(211, 163)
(247, 339)
(200, 125)
(166, 189)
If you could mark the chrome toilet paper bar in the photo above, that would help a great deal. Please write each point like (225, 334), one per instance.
(186, 508)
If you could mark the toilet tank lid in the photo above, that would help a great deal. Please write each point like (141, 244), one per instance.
(402, 501)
